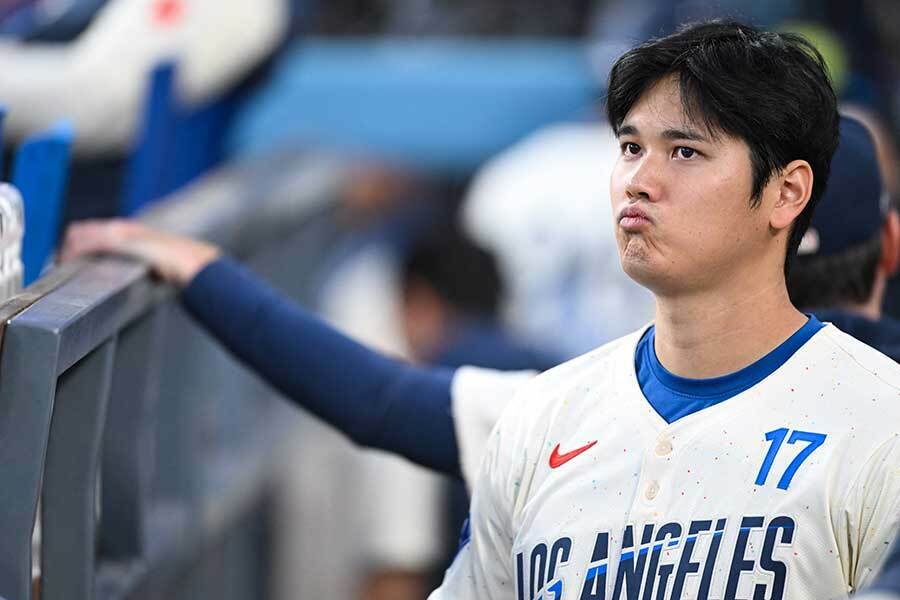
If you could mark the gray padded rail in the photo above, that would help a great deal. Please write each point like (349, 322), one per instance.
(68, 499)
(41, 343)
(128, 439)
(83, 352)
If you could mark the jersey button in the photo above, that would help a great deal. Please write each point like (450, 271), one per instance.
(652, 490)
(664, 447)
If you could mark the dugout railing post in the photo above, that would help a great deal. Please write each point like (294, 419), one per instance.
(80, 399)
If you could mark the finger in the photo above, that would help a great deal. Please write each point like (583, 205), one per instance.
(78, 240)
(91, 237)
(72, 243)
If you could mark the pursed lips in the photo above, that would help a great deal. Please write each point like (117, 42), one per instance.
(632, 218)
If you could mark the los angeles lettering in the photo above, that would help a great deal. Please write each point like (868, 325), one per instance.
(666, 562)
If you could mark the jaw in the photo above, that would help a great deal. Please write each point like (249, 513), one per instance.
(642, 262)
(647, 274)
(664, 276)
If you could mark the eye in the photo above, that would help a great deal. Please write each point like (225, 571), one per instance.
(685, 152)
(630, 148)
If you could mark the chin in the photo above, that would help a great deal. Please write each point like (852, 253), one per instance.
(647, 273)
(643, 262)
(639, 271)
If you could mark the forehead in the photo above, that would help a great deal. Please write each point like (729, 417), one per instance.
(661, 108)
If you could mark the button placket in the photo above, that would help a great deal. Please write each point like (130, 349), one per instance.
(657, 464)
(651, 490)
(664, 447)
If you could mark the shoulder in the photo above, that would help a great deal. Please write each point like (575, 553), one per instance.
(549, 401)
(538, 400)
(479, 397)
(882, 334)
(852, 390)
(862, 363)
(610, 356)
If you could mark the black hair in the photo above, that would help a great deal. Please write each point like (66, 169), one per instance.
(462, 273)
(771, 90)
(837, 280)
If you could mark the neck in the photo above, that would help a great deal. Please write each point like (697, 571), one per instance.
(715, 333)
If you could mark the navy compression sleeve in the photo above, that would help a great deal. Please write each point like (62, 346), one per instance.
(376, 401)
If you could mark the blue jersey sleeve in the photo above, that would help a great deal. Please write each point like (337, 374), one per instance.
(376, 401)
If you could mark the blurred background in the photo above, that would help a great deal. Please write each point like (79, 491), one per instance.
(431, 176)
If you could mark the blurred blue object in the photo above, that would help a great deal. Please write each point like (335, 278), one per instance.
(149, 170)
(47, 20)
(18, 18)
(175, 143)
(65, 20)
(2, 116)
(40, 171)
(447, 104)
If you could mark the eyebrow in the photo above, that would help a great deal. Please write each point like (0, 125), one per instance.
(669, 134)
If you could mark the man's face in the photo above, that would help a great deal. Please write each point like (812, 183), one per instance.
(681, 199)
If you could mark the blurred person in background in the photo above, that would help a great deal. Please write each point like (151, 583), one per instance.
(889, 169)
(381, 209)
(887, 585)
(852, 246)
(539, 209)
(451, 297)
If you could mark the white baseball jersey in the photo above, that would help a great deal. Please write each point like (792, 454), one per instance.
(790, 489)
(479, 396)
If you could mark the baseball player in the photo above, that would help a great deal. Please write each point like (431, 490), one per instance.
(736, 448)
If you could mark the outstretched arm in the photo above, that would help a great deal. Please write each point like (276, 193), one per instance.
(376, 401)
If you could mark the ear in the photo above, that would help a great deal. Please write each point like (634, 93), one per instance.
(890, 243)
(792, 188)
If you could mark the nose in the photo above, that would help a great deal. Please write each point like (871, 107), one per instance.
(643, 180)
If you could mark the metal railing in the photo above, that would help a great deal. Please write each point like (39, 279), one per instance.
(136, 433)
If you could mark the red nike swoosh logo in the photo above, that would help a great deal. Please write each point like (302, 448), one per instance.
(558, 460)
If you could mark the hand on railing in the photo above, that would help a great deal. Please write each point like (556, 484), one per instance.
(176, 259)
